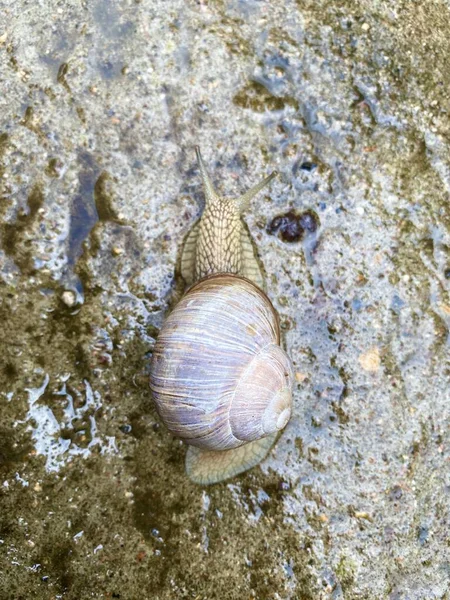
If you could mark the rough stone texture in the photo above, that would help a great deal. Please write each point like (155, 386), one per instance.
(101, 105)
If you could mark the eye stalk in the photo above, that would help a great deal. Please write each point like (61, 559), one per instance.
(212, 196)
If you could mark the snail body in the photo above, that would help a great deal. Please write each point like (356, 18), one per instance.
(219, 377)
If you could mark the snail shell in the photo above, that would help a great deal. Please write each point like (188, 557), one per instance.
(219, 378)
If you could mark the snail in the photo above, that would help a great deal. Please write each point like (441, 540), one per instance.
(219, 377)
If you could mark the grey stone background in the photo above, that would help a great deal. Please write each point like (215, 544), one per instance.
(101, 105)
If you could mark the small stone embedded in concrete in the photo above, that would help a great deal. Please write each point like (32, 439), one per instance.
(370, 360)
(300, 377)
(69, 298)
(287, 227)
(308, 166)
(445, 308)
(291, 226)
(309, 221)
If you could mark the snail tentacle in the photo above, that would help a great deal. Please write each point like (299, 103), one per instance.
(244, 200)
(210, 193)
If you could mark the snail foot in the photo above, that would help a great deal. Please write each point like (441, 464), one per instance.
(210, 466)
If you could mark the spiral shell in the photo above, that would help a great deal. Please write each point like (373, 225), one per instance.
(219, 376)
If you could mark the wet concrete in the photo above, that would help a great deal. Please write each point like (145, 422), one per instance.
(102, 104)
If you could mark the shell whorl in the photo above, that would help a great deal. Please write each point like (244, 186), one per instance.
(218, 387)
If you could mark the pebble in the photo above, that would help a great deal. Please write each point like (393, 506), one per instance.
(69, 298)
(370, 360)
(308, 166)
(445, 308)
(309, 221)
(290, 226)
(287, 226)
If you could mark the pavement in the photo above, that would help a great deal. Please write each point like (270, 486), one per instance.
(101, 106)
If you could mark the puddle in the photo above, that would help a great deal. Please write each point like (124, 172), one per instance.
(74, 432)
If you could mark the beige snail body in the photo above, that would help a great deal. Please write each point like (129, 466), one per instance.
(219, 377)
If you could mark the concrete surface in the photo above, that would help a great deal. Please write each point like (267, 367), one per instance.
(101, 105)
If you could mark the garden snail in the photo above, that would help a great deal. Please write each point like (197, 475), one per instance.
(219, 378)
